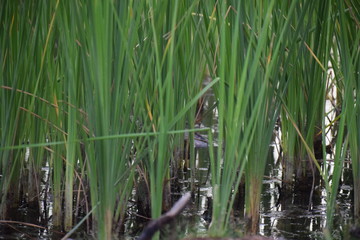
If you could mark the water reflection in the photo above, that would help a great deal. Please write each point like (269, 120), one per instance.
(294, 217)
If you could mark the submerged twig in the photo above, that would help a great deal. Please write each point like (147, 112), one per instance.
(156, 224)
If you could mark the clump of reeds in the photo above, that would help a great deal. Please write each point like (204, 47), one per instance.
(102, 92)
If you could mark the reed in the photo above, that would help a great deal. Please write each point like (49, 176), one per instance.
(312, 55)
(107, 101)
(347, 38)
(23, 118)
(103, 92)
(234, 124)
(247, 103)
(172, 91)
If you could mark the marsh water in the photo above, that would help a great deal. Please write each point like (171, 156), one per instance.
(296, 217)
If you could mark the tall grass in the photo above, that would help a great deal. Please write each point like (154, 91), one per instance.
(312, 55)
(346, 70)
(173, 89)
(127, 84)
(102, 92)
(251, 86)
(23, 115)
(102, 55)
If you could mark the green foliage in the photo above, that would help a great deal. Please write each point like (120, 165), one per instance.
(347, 71)
(102, 92)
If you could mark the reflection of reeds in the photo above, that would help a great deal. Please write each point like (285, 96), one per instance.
(102, 92)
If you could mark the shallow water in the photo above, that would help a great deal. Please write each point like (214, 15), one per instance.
(293, 218)
(290, 218)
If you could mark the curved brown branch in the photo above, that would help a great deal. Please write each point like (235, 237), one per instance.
(156, 224)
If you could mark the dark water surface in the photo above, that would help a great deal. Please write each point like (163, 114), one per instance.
(292, 218)
(296, 217)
